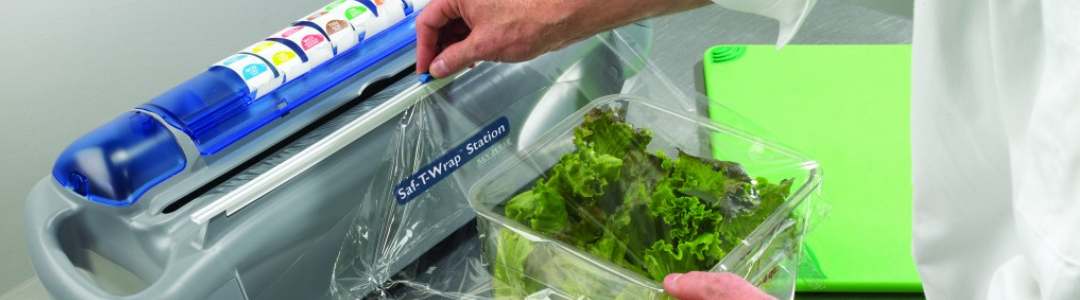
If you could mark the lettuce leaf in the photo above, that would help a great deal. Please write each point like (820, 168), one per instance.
(512, 251)
(606, 133)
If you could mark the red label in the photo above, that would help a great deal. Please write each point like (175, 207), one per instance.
(311, 41)
(291, 31)
(379, 2)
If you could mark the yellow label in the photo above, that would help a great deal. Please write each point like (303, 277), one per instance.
(283, 56)
(262, 46)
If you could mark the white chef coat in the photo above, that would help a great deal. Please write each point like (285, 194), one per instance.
(995, 122)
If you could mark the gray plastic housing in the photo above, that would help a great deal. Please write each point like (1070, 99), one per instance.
(284, 244)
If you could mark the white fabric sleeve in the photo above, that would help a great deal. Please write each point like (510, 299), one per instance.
(790, 13)
(1045, 154)
(1013, 280)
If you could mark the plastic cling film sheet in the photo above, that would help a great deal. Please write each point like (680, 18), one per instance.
(587, 177)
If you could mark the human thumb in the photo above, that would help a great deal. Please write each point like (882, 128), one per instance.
(711, 286)
(455, 58)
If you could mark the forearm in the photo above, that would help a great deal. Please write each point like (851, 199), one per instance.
(453, 34)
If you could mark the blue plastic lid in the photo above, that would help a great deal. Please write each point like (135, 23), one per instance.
(119, 161)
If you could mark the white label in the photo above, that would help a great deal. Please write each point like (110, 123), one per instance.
(257, 74)
(390, 12)
(342, 35)
(311, 42)
(282, 57)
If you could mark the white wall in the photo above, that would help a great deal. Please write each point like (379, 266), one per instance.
(68, 66)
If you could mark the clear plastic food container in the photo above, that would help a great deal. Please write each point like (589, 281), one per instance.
(625, 220)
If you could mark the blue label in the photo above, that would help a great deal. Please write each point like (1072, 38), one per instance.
(233, 59)
(441, 168)
(253, 70)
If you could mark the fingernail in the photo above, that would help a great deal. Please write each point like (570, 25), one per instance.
(440, 70)
(670, 280)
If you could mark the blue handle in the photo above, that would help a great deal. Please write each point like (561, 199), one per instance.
(120, 161)
(215, 108)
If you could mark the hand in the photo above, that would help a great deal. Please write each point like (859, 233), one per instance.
(712, 286)
(455, 34)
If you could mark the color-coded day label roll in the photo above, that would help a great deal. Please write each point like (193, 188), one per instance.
(282, 57)
(353, 12)
(417, 5)
(261, 78)
(388, 13)
(334, 5)
(342, 35)
(309, 41)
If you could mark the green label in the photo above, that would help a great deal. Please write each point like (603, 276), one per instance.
(354, 12)
(335, 4)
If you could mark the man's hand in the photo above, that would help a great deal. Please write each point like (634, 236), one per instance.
(712, 286)
(455, 34)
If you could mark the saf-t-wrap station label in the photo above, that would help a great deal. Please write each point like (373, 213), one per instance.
(442, 167)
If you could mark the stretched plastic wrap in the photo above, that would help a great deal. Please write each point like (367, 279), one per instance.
(593, 181)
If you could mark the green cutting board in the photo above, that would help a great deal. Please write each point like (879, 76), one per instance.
(846, 106)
